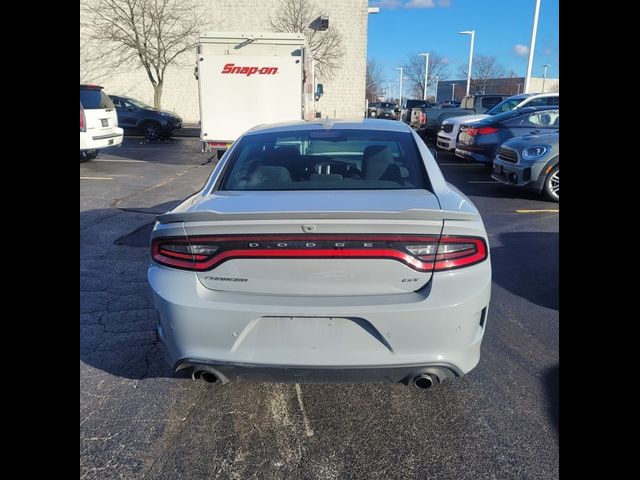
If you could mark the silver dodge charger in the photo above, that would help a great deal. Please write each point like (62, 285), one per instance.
(323, 251)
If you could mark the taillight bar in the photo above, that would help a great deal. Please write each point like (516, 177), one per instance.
(83, 120)
(421, 253)
(473, 131)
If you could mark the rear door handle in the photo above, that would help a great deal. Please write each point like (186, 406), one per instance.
(535, 131)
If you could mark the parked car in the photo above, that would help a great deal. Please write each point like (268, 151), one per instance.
(98, 122)
(450, 127)
(531, 161)
(382, 110)
(136, 117)
(319, 251)
(480, 140)
(409, 104)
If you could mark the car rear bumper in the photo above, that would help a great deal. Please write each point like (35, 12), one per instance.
(473, 155)
(383, 337)
(237, 372)
(99, 140)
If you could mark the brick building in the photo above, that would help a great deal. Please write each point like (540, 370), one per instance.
(344, 94)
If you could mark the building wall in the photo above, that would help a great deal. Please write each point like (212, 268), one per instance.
(344, 94)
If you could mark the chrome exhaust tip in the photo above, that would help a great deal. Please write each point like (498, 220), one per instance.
(423, 381)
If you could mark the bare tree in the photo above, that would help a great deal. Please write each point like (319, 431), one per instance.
(413, 70)
(149, 33)
(299, 16)
(375, 81)
(484, 68)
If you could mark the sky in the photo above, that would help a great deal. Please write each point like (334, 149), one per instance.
(503, 29)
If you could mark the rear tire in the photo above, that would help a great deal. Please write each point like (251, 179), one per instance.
(88, 155)
(551, 188)
(151, 131)
(372, 114)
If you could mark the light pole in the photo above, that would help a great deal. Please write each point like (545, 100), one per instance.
(473, 35)
(532, 47)
(426, 74)
(400, 68)
(436, 95)
(453, 92)
(544, 77)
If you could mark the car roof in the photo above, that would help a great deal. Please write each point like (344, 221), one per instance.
(89, 86)
(340, 124)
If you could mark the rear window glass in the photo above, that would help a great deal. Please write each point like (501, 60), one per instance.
(325, 159)
(94, 99)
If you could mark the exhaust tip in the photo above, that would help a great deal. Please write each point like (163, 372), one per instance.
(204, 376)
(423, 381)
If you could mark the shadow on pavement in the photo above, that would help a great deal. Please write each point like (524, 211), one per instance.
(117, 317)
(526, 264)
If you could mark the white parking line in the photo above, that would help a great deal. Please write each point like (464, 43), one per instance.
(550, 210)
(464, 164)
(96, 178)
(116, 160)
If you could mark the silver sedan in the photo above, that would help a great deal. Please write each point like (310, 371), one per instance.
(323, 251)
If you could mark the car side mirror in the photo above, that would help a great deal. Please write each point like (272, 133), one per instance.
(434, 152)
(130, 108)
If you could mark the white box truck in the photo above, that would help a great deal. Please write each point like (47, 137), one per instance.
(248, 79)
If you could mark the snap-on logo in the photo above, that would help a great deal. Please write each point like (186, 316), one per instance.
(248, 71)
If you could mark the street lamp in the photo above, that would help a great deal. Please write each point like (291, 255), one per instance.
(426, 74)
(532, 47)
(544, 77)
(400, 68)
(473, 35)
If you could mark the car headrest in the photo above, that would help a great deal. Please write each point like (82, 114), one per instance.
(267, 174)
(376, 159)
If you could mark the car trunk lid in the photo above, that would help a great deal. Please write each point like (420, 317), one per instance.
(347, 243)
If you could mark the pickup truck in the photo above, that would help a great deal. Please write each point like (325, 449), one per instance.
(470, 105)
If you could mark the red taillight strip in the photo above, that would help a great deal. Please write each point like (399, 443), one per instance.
(200, 262)
(378, 253)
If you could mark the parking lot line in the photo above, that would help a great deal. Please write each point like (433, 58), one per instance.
(96, 178)
(120, 160)
(464, 164)
(549, 210)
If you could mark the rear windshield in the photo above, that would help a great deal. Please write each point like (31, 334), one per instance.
(94, 99)
(325, 159)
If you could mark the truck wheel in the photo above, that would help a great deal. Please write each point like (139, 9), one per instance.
(551, 187)
(151, 131)
(88, 155)
(372, 113)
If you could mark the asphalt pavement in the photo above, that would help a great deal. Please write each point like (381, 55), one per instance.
(139, 420)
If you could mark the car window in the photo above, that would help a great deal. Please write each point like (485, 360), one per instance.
(325, 159)
(488, 102)
(553, 101)
(542, 119)
(537, 102)
(93, 99)
(504, 106)
(117, 102)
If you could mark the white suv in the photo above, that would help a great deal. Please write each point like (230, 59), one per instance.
(449, 129)
(98, 122)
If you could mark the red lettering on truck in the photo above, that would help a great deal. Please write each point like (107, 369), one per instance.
(248, 71)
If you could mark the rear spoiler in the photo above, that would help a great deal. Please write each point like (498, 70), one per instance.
(411, 214)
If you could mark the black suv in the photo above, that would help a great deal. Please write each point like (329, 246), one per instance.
(136, 117)
(382, 110)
